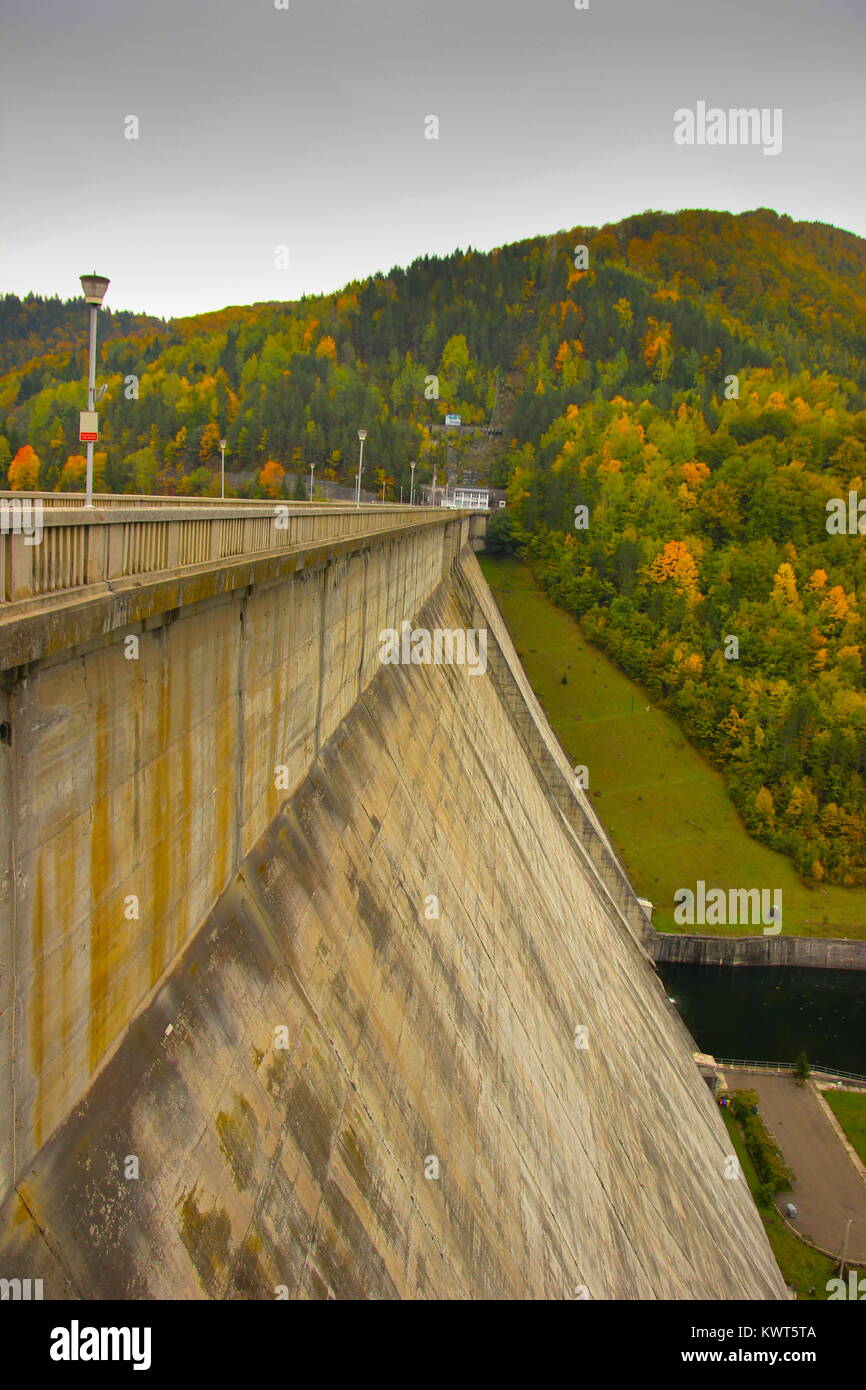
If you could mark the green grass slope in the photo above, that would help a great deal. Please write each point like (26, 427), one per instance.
(666, 810)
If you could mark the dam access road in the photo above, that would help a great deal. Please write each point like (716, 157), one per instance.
(320, 978)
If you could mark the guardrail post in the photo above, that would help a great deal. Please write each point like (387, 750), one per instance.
(172, 547)
(95, 540)
(20, 566)
(114, 550)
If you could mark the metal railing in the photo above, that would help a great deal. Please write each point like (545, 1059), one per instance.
(60, 548)
(814, 1067)
(102, 500)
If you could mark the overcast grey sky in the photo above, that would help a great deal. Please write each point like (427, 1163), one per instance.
(305, 127)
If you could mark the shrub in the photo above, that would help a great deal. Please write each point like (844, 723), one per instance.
(743, 1104)
(766, 1156)
(501, 538)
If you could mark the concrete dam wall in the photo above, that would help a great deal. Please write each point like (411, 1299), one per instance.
(383, 1025)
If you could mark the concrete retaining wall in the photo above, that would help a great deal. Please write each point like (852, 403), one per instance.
(816, 953)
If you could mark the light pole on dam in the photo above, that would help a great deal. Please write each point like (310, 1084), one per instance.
(362, 435)
(94, 287)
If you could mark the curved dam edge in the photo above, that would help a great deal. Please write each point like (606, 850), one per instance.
(417, 1049)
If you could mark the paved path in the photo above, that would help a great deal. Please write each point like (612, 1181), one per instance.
(828, 1189)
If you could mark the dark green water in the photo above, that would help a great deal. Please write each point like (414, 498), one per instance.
(771, 1015)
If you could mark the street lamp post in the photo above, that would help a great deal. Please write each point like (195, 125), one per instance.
(412, 489)
(94, 287)
(383, 491)
(223, 469)
(312, 466)
(844, 1259)
(433, 489)
(362, 435)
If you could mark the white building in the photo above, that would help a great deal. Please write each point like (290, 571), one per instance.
(475, 498)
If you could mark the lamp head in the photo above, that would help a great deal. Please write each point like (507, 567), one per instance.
(94, 287)
(222, 444)
(362, 435)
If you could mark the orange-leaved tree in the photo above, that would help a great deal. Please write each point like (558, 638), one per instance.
(24, 470)
(271, 478)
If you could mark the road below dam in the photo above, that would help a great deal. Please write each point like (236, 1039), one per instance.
(321, 977)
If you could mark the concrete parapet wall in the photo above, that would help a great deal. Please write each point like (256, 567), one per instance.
(102, 500)
(56, 551)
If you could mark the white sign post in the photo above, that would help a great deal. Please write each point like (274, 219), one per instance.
(88, 426)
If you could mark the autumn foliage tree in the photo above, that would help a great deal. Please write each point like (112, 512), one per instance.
(210, 441)
(271, 478)
(24, 470)
(73, 474)
(676, 562)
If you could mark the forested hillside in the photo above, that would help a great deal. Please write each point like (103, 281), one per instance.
(694, 384)
(35, 330)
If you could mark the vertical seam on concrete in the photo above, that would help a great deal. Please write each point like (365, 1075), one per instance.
(322, 611)
(363, 623)
(13, 889)
(240, 781)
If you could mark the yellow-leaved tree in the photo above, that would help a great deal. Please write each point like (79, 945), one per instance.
(764, 805)
(836, 606)
(785, 587)
(676, 562)
(210, 441)
(73, 475)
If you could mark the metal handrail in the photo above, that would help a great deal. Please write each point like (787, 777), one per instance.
(789, 1066)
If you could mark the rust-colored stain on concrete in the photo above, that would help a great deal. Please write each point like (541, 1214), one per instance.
(159, 867)
(37, 1009)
